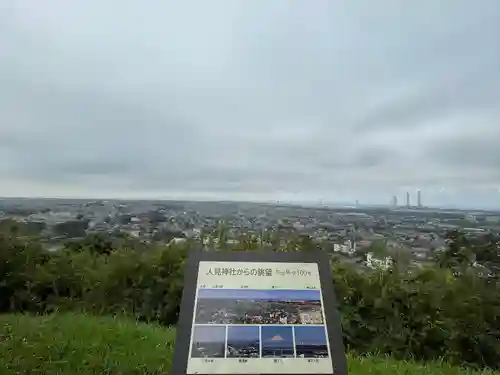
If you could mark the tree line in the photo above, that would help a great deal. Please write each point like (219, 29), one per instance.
(447, 310)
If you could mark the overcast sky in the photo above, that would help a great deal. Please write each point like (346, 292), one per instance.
(263, 100)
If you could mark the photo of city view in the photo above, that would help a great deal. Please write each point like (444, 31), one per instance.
(277, 341)
(208, 342)
(310, 341)
(243, 342)
(249, 306)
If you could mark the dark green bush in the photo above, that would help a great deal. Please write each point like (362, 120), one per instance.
(424, 314)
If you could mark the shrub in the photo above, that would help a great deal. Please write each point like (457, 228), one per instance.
(423, 314)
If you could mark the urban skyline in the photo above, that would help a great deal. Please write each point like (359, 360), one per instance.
(242, 123)
(433, 199)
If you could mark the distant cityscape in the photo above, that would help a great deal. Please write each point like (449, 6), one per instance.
(394, 200)
(353, 234)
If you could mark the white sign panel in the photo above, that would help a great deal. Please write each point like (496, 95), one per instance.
(252, 318)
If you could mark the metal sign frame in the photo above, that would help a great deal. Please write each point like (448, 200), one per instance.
(333, 322)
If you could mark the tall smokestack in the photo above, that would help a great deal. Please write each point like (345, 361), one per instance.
(394, 201)
(419, 199)
(407, 199)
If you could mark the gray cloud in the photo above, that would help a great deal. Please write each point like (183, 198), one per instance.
(475, 150)
(260, 100)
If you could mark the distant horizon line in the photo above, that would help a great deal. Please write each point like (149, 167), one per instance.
(319, 203)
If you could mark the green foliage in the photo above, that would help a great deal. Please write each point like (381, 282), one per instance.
(449, 311)
(94, 243)
(72, 228)
(401, 259)
(379, 249)
(82, 344)
(487, 251)
(24, 229)
(423, 315)
(459, 253)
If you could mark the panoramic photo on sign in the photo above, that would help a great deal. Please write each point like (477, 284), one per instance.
(259, 318)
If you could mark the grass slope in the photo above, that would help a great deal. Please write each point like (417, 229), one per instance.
(78, 344)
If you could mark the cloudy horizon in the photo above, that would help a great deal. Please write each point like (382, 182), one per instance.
(332, 101)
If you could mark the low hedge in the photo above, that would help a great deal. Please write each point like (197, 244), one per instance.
(426, 314)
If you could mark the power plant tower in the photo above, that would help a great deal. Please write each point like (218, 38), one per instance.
(407, 199)
(419, 199)
(394, 201)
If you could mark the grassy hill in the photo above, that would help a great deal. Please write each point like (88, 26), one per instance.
(79, 344)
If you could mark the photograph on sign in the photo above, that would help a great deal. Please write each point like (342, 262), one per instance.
(243, 342)
(208, 342)
(252, 317)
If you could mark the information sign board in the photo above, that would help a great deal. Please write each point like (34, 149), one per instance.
(259, 313)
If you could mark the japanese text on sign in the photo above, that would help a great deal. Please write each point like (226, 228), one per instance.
(256, 272)
(293, 272)
(240, 271)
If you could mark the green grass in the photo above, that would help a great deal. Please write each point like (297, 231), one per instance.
(69, 344)
(78, 344)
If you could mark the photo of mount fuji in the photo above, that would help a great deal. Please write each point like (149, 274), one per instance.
(277, 341)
